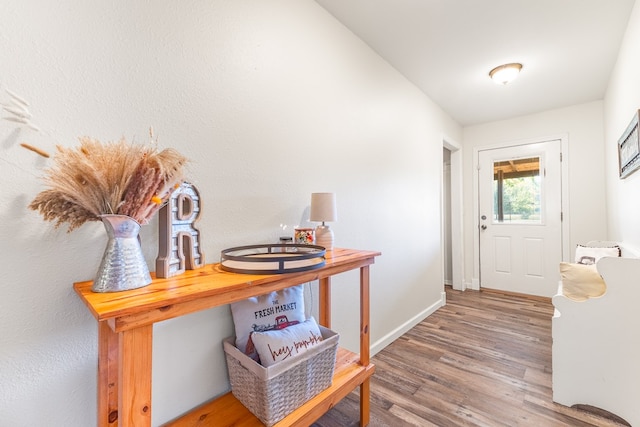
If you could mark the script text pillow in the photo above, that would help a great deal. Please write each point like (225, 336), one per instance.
(265, 312)
(278, 345)
(580, 282)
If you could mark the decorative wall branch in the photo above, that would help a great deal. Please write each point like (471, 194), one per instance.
(35, 149)
(18, 111)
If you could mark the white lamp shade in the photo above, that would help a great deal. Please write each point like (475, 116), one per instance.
(323, 207)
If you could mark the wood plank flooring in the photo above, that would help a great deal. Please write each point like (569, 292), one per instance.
(482, 360)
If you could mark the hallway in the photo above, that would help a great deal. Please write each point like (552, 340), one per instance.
(482, 360)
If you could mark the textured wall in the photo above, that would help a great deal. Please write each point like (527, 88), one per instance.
(272, 101)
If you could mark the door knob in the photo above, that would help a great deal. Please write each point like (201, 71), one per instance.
(484, 227)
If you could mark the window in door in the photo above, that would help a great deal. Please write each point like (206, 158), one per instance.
(517, 191)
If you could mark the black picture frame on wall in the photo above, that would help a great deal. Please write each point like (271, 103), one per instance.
(629, 148)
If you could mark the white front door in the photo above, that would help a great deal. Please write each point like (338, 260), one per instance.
(520, 223)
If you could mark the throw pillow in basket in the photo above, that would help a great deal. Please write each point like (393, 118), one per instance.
(283, 344)
(272, 311)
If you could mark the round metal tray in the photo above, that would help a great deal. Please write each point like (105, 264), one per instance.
(277, 258)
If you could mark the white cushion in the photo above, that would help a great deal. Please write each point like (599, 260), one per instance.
(580, 282)
(284, 344)
(591, 255)
(265, 312)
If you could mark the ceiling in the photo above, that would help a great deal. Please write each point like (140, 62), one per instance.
(447, 48)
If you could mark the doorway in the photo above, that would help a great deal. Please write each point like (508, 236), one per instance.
(446, 216)
(451, 215)
(519, 217)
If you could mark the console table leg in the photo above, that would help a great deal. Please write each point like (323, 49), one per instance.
(364, 343)
(324, 307)
(364, 315)
(365, 395)
(107, 376)
(135, 376)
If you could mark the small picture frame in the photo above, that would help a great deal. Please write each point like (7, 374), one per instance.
(629, 148)
(303, 236)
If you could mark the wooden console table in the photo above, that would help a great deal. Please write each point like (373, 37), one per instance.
(125, 336)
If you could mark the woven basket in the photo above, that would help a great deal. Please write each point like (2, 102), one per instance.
(271, 393)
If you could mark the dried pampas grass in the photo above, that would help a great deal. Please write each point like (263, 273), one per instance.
(113, 178)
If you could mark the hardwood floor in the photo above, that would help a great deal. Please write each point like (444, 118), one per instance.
(482, 360)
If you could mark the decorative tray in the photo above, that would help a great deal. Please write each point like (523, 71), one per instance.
(277, 258)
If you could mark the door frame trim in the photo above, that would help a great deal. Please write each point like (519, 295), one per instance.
(564, 196)
(457, 237)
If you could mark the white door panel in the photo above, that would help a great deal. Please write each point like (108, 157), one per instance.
(520, 218)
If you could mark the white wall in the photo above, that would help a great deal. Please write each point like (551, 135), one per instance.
(272, 101)
(621, 102)
(583, 124)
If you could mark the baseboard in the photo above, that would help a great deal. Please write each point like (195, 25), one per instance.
(463, 286)
(402, 329)
(475, 284)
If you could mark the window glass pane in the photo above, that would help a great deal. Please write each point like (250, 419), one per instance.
(516, 191)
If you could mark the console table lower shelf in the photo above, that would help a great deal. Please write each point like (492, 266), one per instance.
(228, 411)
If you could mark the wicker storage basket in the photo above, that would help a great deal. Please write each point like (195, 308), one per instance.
(273, 392)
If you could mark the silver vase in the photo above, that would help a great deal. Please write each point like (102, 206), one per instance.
(123, 266)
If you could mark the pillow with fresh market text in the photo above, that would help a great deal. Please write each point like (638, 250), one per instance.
(274, 310)
(284, 344)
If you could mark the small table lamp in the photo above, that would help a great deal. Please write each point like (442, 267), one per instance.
(323, 209)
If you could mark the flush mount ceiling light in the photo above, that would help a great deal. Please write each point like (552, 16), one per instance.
(504, 74)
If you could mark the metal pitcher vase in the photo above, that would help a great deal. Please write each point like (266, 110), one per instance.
(123, 266)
